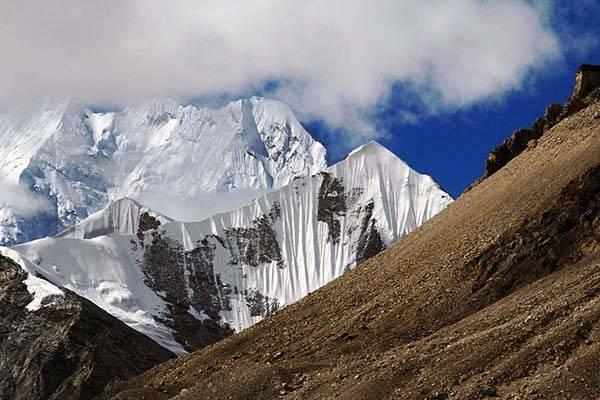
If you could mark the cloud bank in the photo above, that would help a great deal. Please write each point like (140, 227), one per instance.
(334, 60)
(18, 198)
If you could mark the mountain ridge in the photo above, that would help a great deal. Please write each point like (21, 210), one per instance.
(163, 277)
(585, 92)
(121, 216)
(159, 152)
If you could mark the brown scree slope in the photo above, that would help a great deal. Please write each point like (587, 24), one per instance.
(497, 296)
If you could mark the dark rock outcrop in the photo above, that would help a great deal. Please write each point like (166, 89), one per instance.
(170, 271)
(256, 244)
(562, 235)
(587, 89)
(186, 280)
(335, 202)
(513, 146)
(332, 204)
(68, 350)
(370, 242)
(146, 223)
(261, 305)
(587, 80)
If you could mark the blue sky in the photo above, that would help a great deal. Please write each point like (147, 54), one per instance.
(452, 146)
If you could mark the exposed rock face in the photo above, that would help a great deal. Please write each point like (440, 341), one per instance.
(69, 350)
(147, 222)
(588, 79)
(260, 305)
(332, 205)
(186, 281)
(552, 114)
(563, 235)
(587, 89)
(256, 244)
(369, 241)
(513, 146)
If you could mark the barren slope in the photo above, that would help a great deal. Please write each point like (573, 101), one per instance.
(64, 347)
(498, 295)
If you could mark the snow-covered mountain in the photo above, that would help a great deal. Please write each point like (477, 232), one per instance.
(184, 283)
(191, 162)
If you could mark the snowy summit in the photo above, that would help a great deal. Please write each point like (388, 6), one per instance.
(186, 161)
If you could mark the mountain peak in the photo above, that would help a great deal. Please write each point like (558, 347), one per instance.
(375, 155)
(301, 236)
(159, 151)
(371, 147)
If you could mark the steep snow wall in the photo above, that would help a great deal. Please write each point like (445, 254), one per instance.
(238, 267)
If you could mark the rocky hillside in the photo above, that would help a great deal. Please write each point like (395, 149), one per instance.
(498, 296)
(64, 347)
(586, 91)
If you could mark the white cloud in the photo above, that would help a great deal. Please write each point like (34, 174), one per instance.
(198, 208)
(334, 59)
(18, 199)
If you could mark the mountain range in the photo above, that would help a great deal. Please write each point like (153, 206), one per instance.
(362, 280)
(497, 296)
(185, 284)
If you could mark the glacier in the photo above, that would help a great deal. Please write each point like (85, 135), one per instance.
(185, 161)
(186, 283)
